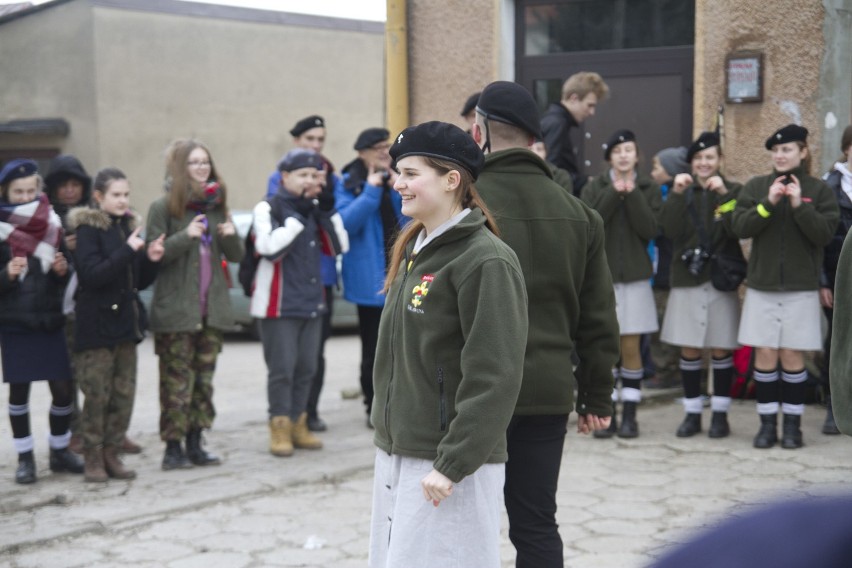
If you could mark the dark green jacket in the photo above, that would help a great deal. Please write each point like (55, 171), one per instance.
(560, 244)
(714, 211)
(175, 306)
(840, 371)
(450, 352)
(631, 222)
(787, 246)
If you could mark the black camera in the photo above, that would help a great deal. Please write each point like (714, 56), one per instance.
(695, 259)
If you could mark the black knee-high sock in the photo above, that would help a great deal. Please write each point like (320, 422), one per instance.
(690, 373)
(768, 391)
(61, 408)
(19, 416)
(723, 376)
(793, 391)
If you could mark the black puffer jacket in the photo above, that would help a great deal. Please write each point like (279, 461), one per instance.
(110, 274)
(832, 249)
(34, 304)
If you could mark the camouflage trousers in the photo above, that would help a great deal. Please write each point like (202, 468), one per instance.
(187, 363)
(107, 378)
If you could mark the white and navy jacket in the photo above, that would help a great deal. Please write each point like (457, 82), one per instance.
(288, 282)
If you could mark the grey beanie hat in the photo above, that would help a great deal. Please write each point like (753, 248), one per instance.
(673, 160)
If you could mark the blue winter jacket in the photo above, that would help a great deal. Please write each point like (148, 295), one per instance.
(364, 266)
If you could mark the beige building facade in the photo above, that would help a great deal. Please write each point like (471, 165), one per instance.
(458, 46)
(114, 81)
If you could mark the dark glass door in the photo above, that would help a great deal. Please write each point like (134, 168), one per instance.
(643, 50)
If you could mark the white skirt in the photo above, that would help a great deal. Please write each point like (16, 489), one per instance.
(781, 320)
(635, 308)
(463, 531)
(701, 317)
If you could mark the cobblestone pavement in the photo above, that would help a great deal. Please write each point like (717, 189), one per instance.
(621, 502)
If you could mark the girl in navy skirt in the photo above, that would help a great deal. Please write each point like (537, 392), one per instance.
(33, 274)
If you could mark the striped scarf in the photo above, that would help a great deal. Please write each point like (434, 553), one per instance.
(31, 229)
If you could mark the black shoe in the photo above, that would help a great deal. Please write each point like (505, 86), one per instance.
(829, 427)
(26, 472)
(690, 426)
(174, 457)
(629, 427)
(317, 424)
(609, 432)
(767, 436)
(65, 460)
(195, 452)
(719, 425)
(791, 435)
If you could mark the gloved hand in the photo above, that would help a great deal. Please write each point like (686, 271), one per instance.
(326, 201)
(304, 207)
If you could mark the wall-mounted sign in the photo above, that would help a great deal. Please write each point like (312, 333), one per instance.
(744, 77)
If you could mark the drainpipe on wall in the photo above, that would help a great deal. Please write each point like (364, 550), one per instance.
(396, 71)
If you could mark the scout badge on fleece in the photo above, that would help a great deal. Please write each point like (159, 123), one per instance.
(418, 294)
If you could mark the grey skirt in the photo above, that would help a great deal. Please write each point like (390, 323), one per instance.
(635, 308)
(701, 317)
(781, 320)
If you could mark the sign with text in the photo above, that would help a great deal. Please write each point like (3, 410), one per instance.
(744, 77)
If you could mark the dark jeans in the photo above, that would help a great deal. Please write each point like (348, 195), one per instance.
(319, 378)
(368, 328)
(532, 473)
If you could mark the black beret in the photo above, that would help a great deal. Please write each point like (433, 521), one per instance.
(299, 158)
(705, 140)
(306, 124)
(371, 137)
(510, 103)
(618, 137)
(439, 140)
(790, 133)
(470, 103)
(16, 169)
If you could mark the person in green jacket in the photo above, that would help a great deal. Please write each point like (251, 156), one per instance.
(191, 307)
(560, 243)
(629, 204)
(697, 218)
(841, 338)
(449, 363)
(790, 216)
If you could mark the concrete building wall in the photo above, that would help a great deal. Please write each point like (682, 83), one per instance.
(47, 71)
(237, 86)
(132, 75)
(454, 51)
(790, 36)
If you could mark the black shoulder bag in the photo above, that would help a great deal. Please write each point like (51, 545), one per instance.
(727, 271)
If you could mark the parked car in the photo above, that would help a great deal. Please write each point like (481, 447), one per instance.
(345, 316)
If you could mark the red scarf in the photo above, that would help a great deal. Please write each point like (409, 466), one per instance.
(31, 229)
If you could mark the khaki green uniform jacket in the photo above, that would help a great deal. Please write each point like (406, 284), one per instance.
(787, 247)
(450, 351)
(630, 220)
(560, 245)
(714, 211)
(841, 338)
(175, 307)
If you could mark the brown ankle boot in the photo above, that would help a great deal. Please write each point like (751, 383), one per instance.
(304, 438)
(94, 465)
(281, 436)
(113, 465)
(128, 446)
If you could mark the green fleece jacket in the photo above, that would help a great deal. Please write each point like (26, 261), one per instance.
(560, 244)
(630, 220)
(840, 371)
(450, 351)
(175, 307)
(787, 245)
(714, 211)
